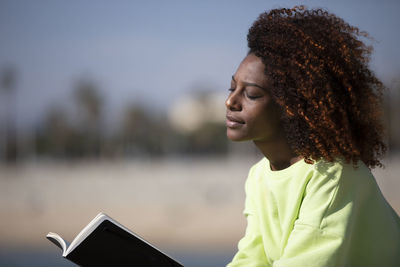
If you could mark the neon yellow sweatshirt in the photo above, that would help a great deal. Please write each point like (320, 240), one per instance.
(325, 214)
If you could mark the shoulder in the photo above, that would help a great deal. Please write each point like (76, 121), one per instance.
(259, 167)
(251, 185)
(336, 175)
(325, 176)
(333, 190)
(255, 172)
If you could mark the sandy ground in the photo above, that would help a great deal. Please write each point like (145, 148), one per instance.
(186, 203)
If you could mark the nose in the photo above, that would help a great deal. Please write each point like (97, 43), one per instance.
(233, 101)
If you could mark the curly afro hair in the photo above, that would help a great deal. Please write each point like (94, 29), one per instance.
(331, 100)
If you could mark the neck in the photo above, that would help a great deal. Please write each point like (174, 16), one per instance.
(278, 152)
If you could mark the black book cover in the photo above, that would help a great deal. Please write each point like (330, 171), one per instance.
(109, 245)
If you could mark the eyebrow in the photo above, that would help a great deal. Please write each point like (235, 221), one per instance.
(250, 84)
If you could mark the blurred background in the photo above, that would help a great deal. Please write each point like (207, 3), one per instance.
(118, 106)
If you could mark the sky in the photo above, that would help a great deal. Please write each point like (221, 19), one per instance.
(151, 52)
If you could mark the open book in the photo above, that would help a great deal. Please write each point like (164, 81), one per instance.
(105, 242)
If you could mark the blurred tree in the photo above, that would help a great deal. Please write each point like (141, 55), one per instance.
(90, 110)
(52, 138)
(58, 138)
(8, 86)
(210, 138)
(392, 108)
(142, 133)
(387, 117)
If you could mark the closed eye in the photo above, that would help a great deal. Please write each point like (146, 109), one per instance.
(252, 97)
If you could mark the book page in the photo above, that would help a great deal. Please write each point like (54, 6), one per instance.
(86, 231)
(58, 241)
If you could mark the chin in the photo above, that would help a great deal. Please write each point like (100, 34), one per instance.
(235, 136)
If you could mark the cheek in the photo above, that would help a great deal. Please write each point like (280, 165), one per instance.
(258, 115)
(265, 121)
(262, 122)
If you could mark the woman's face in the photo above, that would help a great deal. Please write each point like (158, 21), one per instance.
(251, 112)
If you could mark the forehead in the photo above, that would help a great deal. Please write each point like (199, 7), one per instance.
(251, 69)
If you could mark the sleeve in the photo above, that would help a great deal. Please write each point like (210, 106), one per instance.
(250, 248)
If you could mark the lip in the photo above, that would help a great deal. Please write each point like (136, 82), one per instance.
(233, 122)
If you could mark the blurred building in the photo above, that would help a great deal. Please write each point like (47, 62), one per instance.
(193, 111)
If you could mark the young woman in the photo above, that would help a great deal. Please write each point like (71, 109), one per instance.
(305, 96)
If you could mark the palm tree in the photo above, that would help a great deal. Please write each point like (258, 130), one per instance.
(90, 109)
(8, 87)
